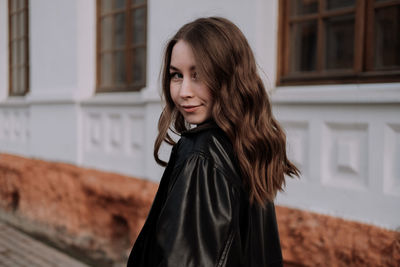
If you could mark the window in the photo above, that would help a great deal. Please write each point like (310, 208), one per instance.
(338, 41)
(121, 45)
(18, 47)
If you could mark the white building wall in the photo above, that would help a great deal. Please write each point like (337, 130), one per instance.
(344, 138)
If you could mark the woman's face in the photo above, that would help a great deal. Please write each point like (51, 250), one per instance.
(188, 91)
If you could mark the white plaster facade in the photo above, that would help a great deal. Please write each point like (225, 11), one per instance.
(344, 138)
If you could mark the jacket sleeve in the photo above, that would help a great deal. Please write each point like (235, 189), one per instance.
(195, 226)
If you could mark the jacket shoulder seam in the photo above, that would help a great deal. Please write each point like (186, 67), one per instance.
(215, 166)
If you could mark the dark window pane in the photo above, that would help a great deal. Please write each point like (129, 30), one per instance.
(21, 4)
(22, 81)
(303, 44)
(119, 31)
(106, 69)
(21, 22)
(14, 77)
(119, 4)
(106, 6)
(302, 7)
(334, 4)
(21, 52)
(139, 66)
(14, 53)
(120, 68)
(138, 2)
(339, 42)
(14, 26)
(106, 33)
(387, 37)
(139, 26)
(13, 6)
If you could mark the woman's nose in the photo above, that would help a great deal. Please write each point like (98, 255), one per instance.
(186, 89)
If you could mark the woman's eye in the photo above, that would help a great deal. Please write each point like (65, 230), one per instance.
(176, 75)
(195, 76)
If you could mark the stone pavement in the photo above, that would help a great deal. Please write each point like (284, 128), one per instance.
(20, 250)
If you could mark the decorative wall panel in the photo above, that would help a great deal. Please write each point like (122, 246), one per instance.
(27, 125)
(14, 125)
(94, 133)
(345, 155)
(6, 125)
(298, 144)
(2, 121)
(392, 159)
(18, 127)
(135, 129)
(115, 137)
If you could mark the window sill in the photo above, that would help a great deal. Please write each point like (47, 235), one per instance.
(14, 101)
(348, 94)
(145, 96)
(123, 98)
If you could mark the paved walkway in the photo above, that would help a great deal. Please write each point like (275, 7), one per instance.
(19, 250)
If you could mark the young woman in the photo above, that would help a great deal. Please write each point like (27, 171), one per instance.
(214, 205)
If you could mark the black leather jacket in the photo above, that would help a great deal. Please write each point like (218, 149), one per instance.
(201, 215)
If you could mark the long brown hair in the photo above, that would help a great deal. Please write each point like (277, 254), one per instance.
(226, 64)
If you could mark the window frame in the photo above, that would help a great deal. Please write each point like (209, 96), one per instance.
(362, 71)
(11, 39)
(129, 48)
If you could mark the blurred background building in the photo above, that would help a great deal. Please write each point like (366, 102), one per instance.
(79, 85)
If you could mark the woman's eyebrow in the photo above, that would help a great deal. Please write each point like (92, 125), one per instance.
(173, 68)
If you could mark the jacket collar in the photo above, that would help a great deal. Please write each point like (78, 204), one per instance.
(209, 124)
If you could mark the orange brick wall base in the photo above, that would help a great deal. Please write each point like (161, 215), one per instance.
(310, 239)
(100, 214)
(88, 212)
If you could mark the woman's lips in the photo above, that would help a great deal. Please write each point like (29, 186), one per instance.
(190, 108)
